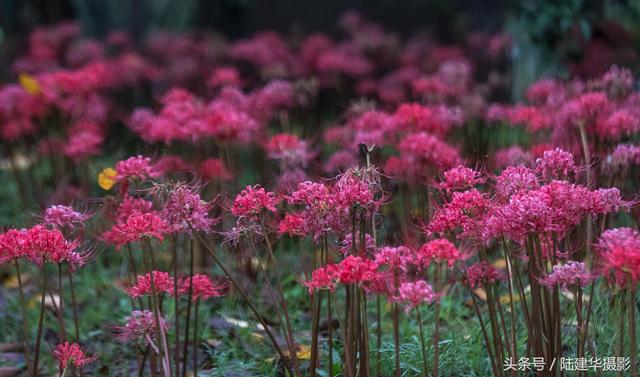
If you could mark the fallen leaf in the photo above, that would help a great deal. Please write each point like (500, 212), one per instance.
(500, 263)
(505, 299)
(304, 352)
(52, 301)
(107, 178)
(481, 293)
(29, 83)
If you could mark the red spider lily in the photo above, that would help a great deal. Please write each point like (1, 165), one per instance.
(137, 226)
(619, 256)
(213, 169)
(323, 278)
(460, 215)
(130, 206)
(64, 217)
(252, 201)
(569, 275)
(202, 287)
(71, 354)
(49, 245)
(135, 167)
(355, 270)
(439, 251)
(556, 164)
(13, 245)
(185, 210)
(162, 283)
(290, 149)
(139, 325)
(416, 293)
(483, 274)
(460, 178)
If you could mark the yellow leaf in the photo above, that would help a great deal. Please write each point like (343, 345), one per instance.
(29, 83)
(500, 263)
(107, 178)
(304, 352)
(11, 282)
(506, 299)
(481, 293)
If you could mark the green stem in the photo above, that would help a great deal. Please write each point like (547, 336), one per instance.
(176, 307)
(631, 311)
(63, 332)
(25, 326)
(247, 300)
(36, 359)
(185, 346)
(422, 346)
(156, 309)
(74, 307)
(195, 338)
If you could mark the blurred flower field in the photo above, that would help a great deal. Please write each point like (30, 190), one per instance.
(347, 203)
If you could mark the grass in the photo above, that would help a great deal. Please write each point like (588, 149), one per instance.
(242, 351)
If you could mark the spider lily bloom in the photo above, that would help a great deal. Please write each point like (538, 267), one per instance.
(293, 225)
(569, 275)
(439, 251)
(162, 283)
(359, 189)
(619, 256)
(49, 245)
(136, 227)
(355, 270)
(423, 154)
(202, 287)
(514, 180)
(289, 149)
(213, 169)
(140, 324)
(395, 259)
(460, 178)
(552, 209)
(323, 278)
(416, 293)
(135, 167)
(185, 209)
(13, 245)
(346, 245)
(131, 205)
(556, 164)
(483, 274)
(461, 215)
(68, 354)
(252, 201)
(64, 217)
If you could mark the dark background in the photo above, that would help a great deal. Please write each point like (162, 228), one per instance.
(447, 19)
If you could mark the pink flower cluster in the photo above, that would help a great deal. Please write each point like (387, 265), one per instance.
(153, 283)
(71, 354)
(417, 293)
(40, 245)
(483, 274)
(619, 256)
(139, 325)
(202, 287)
(569, 275)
